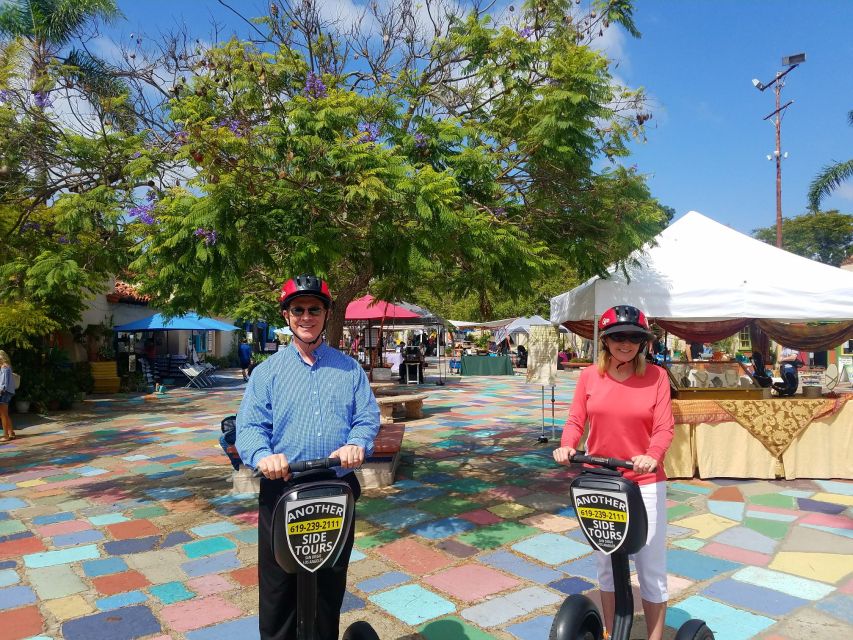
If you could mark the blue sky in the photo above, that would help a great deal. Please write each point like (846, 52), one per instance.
(706, 145)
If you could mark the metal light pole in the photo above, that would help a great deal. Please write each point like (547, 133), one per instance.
(793, 62)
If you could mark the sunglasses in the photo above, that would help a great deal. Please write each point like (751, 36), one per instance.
(633, 338)
(298, 311)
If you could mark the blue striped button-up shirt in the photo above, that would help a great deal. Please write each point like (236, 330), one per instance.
(306, 411)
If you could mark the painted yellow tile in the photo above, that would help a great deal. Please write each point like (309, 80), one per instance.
(31, 483)
(826, 567)
(834, 498)
(69, 607)
(707, 525)
(510, 510)
(550, 522)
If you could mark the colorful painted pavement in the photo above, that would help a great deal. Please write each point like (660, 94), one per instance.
(119, 524)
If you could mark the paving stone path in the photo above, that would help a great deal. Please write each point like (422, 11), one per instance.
(118, 523)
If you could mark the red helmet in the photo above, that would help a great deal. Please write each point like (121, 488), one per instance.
(623, 318)
(305, 285)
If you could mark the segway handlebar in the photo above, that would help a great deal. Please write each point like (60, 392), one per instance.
(307, 465)
(610, 463)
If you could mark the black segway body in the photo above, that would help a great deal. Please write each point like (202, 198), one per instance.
(310, 525)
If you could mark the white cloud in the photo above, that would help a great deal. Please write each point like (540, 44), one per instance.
(845, 191)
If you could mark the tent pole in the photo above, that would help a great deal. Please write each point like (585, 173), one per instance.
(594, 338)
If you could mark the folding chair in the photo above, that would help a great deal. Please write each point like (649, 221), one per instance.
(194, 376)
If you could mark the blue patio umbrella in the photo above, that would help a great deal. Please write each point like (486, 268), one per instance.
(186, 322)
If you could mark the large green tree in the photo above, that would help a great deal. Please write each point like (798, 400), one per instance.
(420, 145)
(830, 177)
(826, 236)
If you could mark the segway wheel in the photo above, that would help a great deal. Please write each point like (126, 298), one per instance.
(694, 630)
(577, 619)
(360, 630)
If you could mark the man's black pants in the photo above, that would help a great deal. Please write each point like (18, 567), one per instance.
(278, 588)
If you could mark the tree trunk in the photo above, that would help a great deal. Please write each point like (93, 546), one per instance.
(343, 296)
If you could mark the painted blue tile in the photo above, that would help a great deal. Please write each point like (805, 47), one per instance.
(171, 592)
(399, 518)
(693, 565)
(689, 488)
(572, 585)
(177, 537)
(107, 518)
(214, 528)
(511, 563)
(834, 486)
(243, 628)
(103, 567)
(9, 576)
(784, 582)
(211, 564)
(726, 509)
(726, 622)
(351, 603)
(534, 629)
(819, 506)
(444, 528)
(207, 547)
(412, 495)
(839, 605)
(413, 604)
(119, 624)
(13, 597)
(120, 600)
(384, 581)
(63, 556)
(132, 545)
(746, 538)
(552, 548)
(8, 487)
(79, 537)
(586, 567)
(169, 493)
(53, 518)
(746, 596)
(9, 504)
(249, 536)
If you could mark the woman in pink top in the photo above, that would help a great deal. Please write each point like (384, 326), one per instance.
(627, 406)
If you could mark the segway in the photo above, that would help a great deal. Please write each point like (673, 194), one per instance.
(310, 525)
(613, 519)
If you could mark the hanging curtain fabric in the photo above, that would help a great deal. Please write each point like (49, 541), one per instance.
(703, 331)
(808, 337)
(583, 328)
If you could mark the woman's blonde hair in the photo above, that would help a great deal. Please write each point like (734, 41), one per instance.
(4, 358)
(604, 357)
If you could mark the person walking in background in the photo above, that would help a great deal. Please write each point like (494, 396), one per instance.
(305, 402)
(629, 411)
(7, 391)
(244, 355)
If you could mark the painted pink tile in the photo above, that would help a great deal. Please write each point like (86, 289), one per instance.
(760, 507)
(826, 520)
(32, 475)
(414, 557)
(249, 517)
(736, 554)
(847, 587)
(60, 528)
(199, 612)
(471, 582)
(481, 516)
(207, 585)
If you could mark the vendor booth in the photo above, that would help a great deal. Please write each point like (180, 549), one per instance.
(750, 285)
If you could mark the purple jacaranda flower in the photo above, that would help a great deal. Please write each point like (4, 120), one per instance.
(5, 95)
(181, 136)
(500, 211)
(370, 131)
(136, 154)
(421, 141)
(231, 124)
(208, 235)
(314, 87)
(526, 32)
(151, 196)
(30, 226)
(62, 240)
(41, 99)
(144, 213)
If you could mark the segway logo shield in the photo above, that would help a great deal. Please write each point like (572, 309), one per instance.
(603, 516)
(314, 529)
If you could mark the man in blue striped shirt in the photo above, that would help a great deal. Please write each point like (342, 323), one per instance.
(306, 401)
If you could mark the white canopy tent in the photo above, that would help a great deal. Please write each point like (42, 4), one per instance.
(521, 326)
(703, 271)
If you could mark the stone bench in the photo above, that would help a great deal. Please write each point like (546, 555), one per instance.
(413, 405)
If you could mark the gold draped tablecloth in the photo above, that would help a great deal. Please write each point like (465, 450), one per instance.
(777, 437)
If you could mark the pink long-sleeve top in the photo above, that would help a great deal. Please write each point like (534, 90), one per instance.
(626, 419)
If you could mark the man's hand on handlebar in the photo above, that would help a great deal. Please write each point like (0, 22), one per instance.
(274, 467)
(351, 456)
(563, 455)
(644, 464)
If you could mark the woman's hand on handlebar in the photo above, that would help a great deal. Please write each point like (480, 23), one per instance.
(275, 467)
(563, 455)
(644, 464)
(351, 456)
